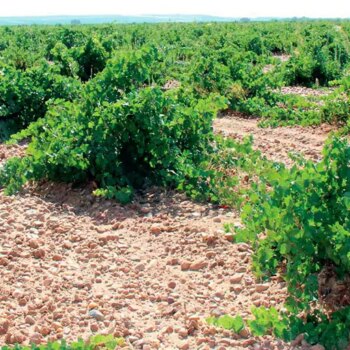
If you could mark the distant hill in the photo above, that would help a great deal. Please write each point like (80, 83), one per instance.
(51, 20)
(111, 19)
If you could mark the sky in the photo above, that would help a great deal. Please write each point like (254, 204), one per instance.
(225, 8)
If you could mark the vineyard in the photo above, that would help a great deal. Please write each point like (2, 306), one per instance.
(175, 186)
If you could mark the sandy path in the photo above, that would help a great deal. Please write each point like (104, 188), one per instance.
(276, 143)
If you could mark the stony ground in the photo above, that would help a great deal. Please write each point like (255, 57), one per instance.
(276, 143)
(72, 265)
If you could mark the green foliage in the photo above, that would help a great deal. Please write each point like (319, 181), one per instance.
(146, 137)
(123, 195)
(108, 342)
(298, 223)
(23, 95)
(225, 58)
(236, 324)
(91, 59)
(305, 218)
(97, 342)
(124, 73)
(317, 328)
(268, 321)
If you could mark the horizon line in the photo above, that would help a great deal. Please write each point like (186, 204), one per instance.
(166, 15)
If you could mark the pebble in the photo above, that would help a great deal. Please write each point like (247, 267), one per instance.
(97, 315)
(237, 278)
(172, 285)
(92, 306)
(133, 339)
(94, 327)
(4, 261)
(36, 338)
(261, 287)
(140, 267)
(182, 332)
(243, 247)
(185, 265)
(198, 265)
(156, 229)
(57, 257)
(4, 326)
(33, 243)
(29, 320)
(39, 253)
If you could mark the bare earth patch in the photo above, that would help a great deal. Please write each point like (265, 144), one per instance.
(152, 271)
(8, 151)
(304, 91)
(276, 143)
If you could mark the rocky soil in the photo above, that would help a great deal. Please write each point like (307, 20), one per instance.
(72, 265)
(304, 91)
(276, 143)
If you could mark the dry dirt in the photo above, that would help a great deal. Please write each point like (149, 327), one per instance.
(72, 265)
(276, 143)
(304, 91)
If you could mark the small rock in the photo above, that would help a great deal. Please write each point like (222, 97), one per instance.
(133, 339)
(29, 320)
(185, 265)
(261, 287)
(243, 247)
(57, 257)
(173, 262)
(217, 312)
(4, 326)
(169, 330)
(4, 262)
(198, 265)
(39, 253)
(237, 278)
(244, 333)
(36, 338)
(156, 229)
(170, 300)
(92, 306)
(94, 327)
(33, 243)
(97, 315)
(248, 281)
(182, 332)
(229, 237)
(45, 331)
(140, 267)
(172, 285)
(67, 245)
(248, 342)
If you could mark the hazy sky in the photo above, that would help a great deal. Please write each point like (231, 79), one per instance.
(233, 8)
